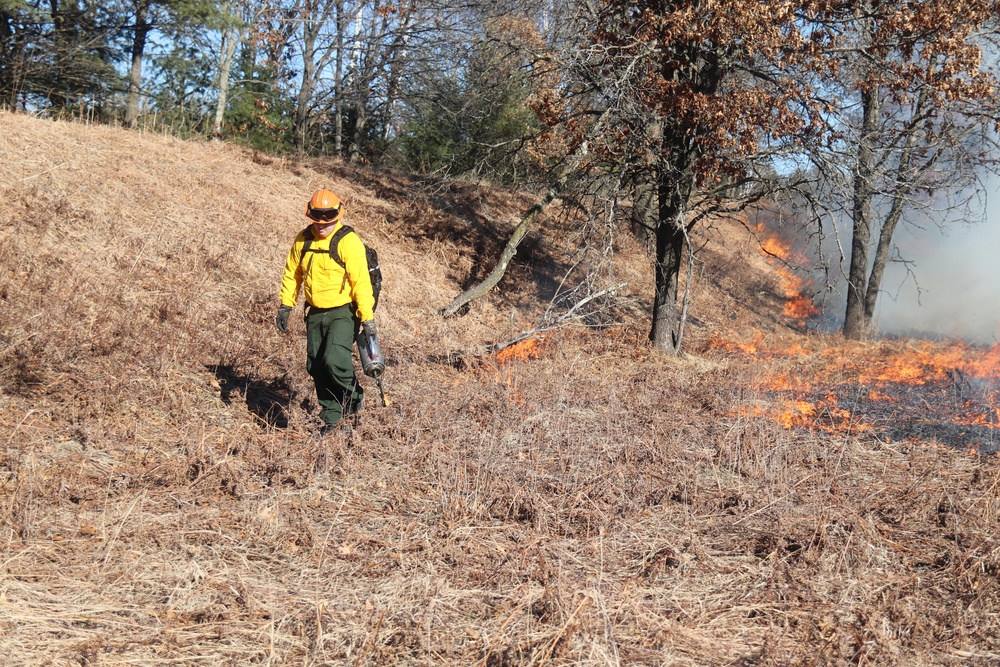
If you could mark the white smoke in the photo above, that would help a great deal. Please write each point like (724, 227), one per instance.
(954, 289)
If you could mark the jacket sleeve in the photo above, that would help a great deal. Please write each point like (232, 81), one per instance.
(291, 281)
(352, 251)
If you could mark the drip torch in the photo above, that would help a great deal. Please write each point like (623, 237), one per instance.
(372, 361)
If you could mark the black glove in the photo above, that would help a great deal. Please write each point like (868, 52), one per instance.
(368, 327)
(281, 320)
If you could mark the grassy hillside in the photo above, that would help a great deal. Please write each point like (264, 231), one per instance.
(585, 502)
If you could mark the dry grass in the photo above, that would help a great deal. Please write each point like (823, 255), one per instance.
(161, 503)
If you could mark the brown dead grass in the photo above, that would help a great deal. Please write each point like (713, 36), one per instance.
(597, 505)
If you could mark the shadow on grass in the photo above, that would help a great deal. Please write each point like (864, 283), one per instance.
(267, 399)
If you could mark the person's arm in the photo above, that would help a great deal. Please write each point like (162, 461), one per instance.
(291, 282)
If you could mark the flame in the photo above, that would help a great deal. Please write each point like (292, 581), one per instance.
(797, 305)
(924, 363)
(798, 412)
(783, 382)
(915, 389)
(775, 247)
(530, 348)
(934, 390)
(525, 350)
(749, 348)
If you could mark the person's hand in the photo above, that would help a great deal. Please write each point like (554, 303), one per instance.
(368, 327)
(281, 319)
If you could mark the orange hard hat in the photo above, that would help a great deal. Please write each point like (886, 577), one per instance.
(324, 206)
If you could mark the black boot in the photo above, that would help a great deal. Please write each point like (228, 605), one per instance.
(341, 427)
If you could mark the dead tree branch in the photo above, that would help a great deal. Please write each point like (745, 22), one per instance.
(549, 322)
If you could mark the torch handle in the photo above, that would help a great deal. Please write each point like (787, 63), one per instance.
(381, 392)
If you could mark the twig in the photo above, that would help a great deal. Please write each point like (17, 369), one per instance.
(761, 509)
(42, 173)
(371, 640)
(558, 322)
(562, 631)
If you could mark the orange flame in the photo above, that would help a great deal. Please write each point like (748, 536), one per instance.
(751, 347)
(524, 350)
(799, 412)
(807, 395)
(775, 247)
(797, 305)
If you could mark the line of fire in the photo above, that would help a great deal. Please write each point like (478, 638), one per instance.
(939, 392)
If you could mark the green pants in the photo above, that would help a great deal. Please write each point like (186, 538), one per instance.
(330, 360)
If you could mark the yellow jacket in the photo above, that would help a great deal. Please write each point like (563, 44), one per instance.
(323, 278)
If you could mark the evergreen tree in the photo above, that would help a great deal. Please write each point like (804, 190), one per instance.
(57, 54)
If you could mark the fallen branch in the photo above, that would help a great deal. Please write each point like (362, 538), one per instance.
(564, 319)
(508, 253)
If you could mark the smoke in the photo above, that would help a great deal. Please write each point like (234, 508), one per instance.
(945, 282)
(952, 287)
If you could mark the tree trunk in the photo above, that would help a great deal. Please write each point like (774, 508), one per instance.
(338, 85)
(358, 131)
(11, 59)
(856, 323)
(231, 38)
(671, 203)
(645, 217)
(881, 257)
(62, 46)
(662, 194)
(361, 81)
(665, 331)
(310, 28)
(397, 62)
(906, 177)
(141, 32)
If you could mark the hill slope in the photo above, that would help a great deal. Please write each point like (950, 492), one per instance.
(588, 503)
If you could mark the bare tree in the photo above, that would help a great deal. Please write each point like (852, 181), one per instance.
(910, 105)
(318, 48)
(686, 89)
(237, 20)
(348, 54)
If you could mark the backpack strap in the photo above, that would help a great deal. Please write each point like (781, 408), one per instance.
(335, 246)
(333, 251)
(334, 243)
(308, 234)
(309, 238)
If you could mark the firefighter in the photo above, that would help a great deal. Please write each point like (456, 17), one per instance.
(332, 271)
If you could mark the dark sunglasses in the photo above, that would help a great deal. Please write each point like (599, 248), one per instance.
(323, 214)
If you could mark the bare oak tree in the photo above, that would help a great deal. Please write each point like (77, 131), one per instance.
(696, 92)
